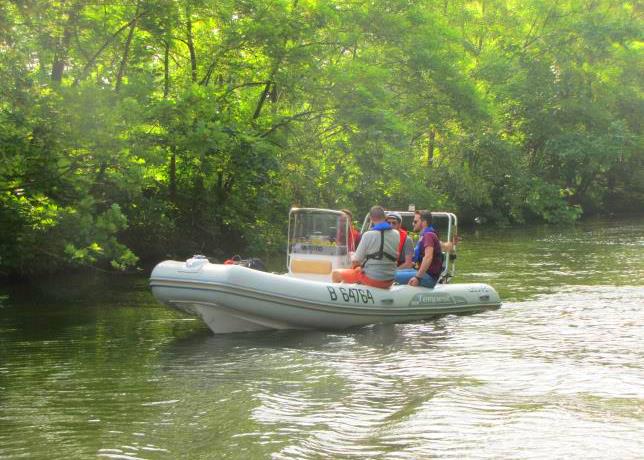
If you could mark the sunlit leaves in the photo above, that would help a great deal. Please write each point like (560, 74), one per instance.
(229, 112)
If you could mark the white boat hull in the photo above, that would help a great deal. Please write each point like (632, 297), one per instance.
(231, 298)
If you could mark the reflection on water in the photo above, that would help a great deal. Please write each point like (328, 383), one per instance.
(556, 373)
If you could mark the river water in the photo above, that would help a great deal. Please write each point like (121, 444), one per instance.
(94, 367)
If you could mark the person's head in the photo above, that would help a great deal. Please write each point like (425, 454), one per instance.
(422, 220)
(348, 213)
(377, 214)
(395, 219)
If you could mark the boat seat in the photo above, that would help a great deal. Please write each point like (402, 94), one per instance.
(318, 267)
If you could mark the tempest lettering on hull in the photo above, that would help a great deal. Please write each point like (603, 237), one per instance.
(431, 299)
(350, 295)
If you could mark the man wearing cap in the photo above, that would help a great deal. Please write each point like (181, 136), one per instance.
(374, 262)
(406, 244)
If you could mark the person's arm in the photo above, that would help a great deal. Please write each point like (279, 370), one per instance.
(408, 249)
(447, 246)
(360, 254)
(408, 263)
(424, 266)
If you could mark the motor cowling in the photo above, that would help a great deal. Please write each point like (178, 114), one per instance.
(253, 263)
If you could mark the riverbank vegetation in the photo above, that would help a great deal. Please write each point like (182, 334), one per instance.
(137, 130)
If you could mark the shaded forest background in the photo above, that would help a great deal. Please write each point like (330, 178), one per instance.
(132, 131)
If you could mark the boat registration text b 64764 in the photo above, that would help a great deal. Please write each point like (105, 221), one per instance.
(352, 295)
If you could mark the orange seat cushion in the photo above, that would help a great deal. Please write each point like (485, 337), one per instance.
(316, 267)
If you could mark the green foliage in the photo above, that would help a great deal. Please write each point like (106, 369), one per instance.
(156, 128)
(548, 201)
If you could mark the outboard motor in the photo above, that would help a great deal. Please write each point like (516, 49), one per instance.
(253, 263)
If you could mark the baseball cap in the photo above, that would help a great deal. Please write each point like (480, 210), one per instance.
(395, 215)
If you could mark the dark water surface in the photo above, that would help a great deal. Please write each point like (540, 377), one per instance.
(94, 367)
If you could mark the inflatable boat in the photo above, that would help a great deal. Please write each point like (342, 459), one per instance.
(234, 298)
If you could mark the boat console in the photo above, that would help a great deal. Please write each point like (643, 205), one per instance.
(318, 242)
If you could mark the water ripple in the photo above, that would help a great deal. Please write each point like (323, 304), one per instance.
(556, 373)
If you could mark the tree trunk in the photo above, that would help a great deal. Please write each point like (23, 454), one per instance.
(166, 70)
(270, 83)
(275, 96)
(431, 146)
(126, 52)
(92, 60)
(267, 88)
(191, 46)
(172, 173)
(211, 68)
(60, 57)
(262, 99)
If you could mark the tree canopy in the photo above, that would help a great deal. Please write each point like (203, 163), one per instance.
(144, 129)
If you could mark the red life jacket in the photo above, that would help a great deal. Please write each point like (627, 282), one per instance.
(354, 238)
(403, 238)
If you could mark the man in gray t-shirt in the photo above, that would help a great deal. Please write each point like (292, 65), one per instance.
(375, 259)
